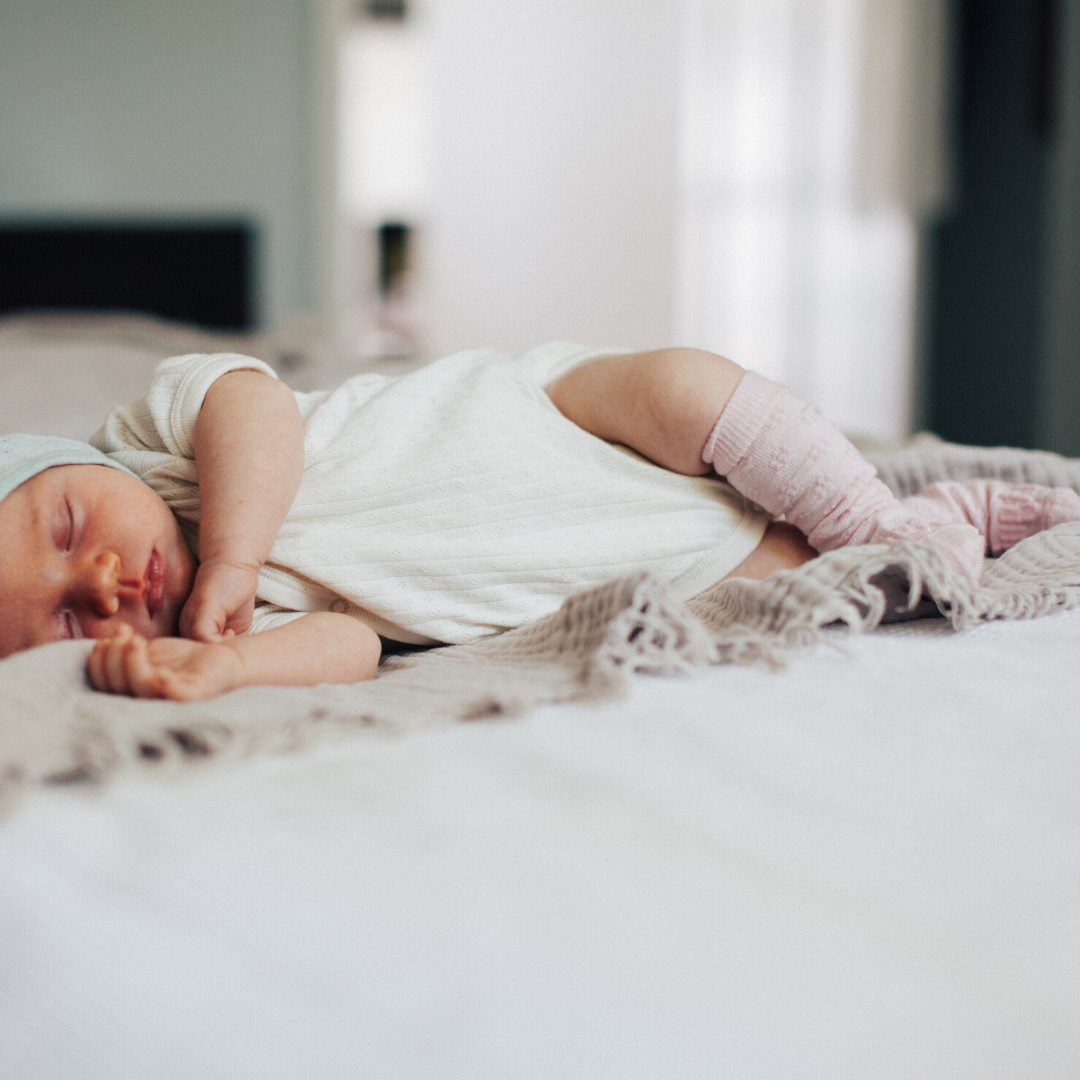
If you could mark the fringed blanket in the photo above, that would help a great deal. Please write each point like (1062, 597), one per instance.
(55, 729)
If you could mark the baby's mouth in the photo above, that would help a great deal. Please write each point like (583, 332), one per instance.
(155, 585)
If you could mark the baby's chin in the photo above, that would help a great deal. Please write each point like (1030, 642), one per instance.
(166, 623)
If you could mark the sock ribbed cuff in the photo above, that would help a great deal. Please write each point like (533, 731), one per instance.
(742, 419)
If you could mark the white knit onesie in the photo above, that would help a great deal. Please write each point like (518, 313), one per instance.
(451, 503)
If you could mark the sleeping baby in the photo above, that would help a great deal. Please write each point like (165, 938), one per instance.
(226, 532)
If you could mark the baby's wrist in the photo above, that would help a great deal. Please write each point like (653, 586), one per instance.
(236, 668)
(230, 584)
(237, 648)
(224, 561)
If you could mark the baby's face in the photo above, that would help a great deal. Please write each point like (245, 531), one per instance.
(84, 548)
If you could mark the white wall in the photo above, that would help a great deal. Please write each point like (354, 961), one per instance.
(554, 189)
(145, 107)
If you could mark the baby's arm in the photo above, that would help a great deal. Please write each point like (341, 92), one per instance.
(249, 451)
(323, 647)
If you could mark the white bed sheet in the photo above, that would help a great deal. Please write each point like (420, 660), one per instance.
(866, 865)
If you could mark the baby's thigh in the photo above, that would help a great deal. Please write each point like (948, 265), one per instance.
(783, 547)
(662, 404)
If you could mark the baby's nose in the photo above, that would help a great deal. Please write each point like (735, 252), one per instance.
(102, 579)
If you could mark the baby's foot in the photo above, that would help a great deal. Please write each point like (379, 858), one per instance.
(963, 546)
(1004, 513)
(1018, 511)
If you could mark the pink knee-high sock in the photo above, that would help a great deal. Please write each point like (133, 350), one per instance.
(1004, 513)
(779, 451)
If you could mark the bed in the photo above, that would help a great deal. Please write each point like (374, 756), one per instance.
(861, 860)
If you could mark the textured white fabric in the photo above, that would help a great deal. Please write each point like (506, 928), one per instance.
(451, 503)
(155, 437)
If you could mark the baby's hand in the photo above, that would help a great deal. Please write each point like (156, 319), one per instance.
(163, 668)
(222, 599)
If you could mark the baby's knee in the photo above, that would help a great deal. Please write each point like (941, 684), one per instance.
(685, 391)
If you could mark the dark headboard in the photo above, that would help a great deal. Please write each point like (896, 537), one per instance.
(199, 272)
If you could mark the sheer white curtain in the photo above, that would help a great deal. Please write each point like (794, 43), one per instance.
(812, 146)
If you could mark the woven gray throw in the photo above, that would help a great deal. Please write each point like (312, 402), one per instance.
(55, 729)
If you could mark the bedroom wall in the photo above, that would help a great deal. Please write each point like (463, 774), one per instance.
(132, 108)
(565, 195)
(554, 188)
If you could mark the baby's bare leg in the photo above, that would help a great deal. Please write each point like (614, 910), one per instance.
(783, 547)
(662, 404)
(689, 410)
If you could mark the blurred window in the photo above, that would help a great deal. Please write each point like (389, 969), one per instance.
(812, 149)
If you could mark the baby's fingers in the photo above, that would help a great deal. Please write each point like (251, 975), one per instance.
(207, 631)
(120, 665)
(105, 663)
(239, 622)
(202, 622)
(143, 678)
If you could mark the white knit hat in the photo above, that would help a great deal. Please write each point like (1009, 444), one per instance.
(23, 456)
